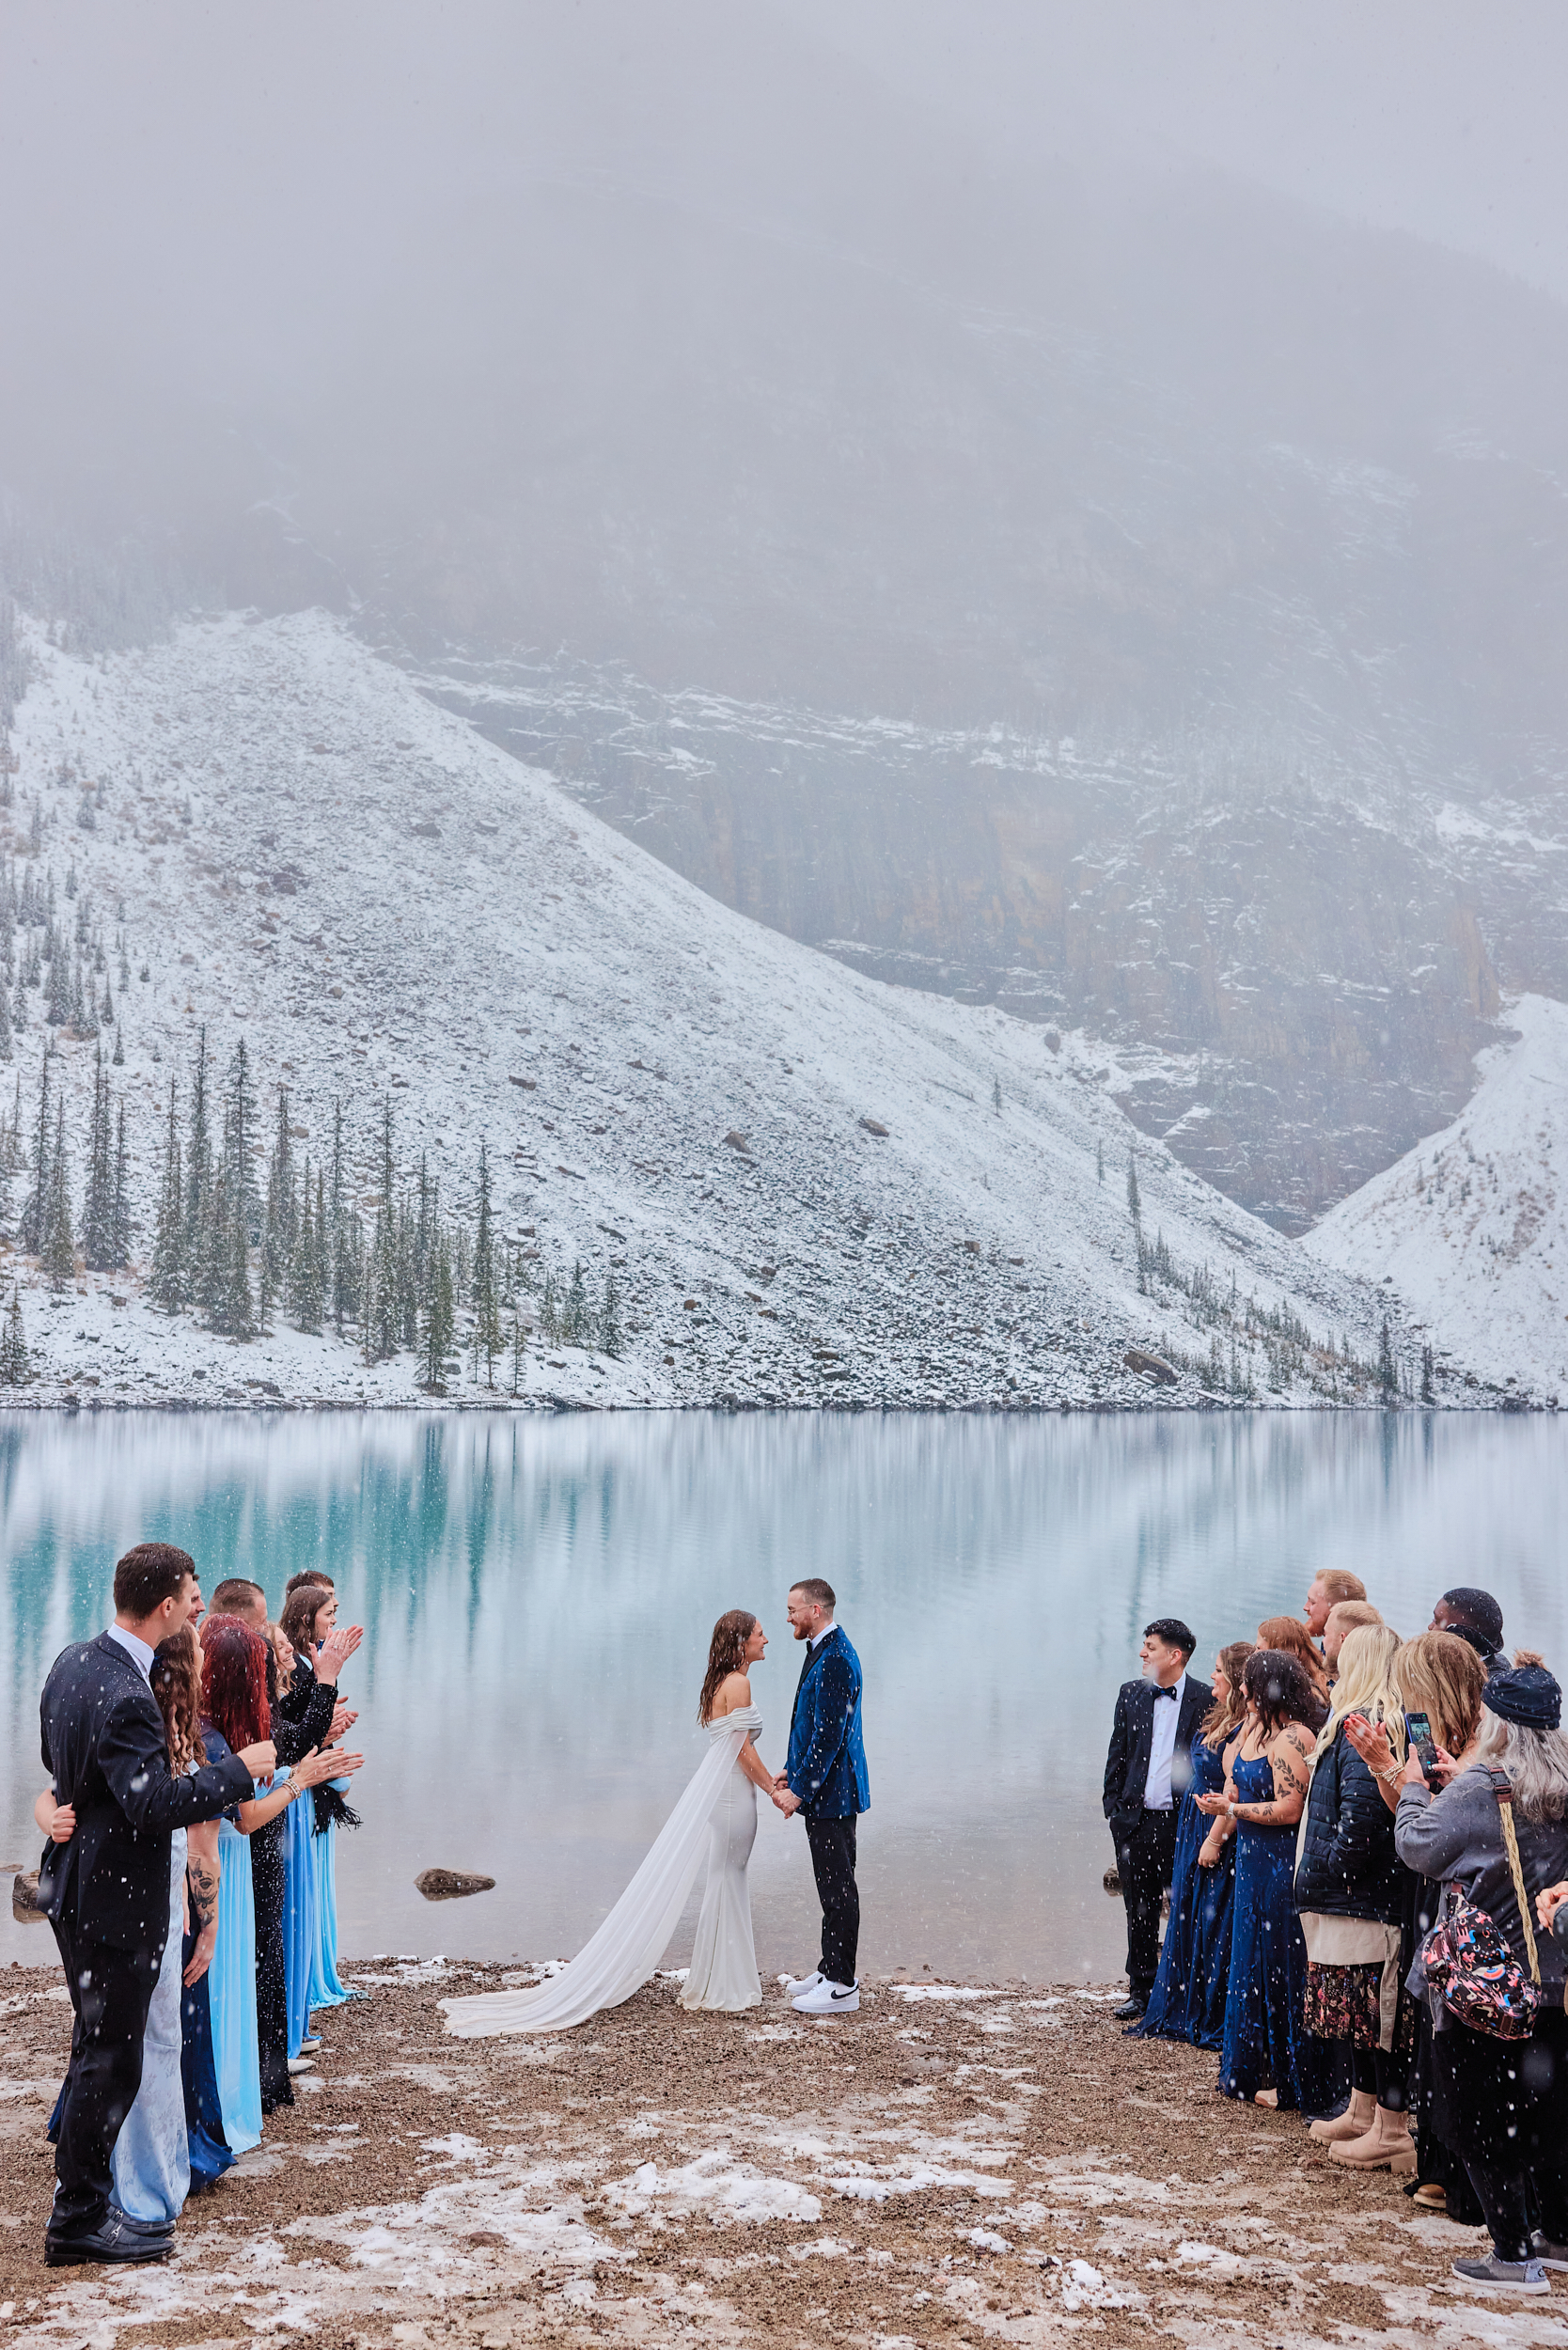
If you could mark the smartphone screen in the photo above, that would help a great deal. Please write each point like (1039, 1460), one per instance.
(1418, 1731)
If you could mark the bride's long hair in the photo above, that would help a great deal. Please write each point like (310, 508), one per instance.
(726, 1654)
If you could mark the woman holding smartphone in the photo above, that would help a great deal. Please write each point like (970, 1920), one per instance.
(1350, 1896)
(1439, 1678)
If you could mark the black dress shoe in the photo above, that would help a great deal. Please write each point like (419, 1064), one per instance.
(113, 2240)
(1130, 2009)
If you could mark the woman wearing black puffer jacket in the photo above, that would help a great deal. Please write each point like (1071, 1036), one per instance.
(1350, 1895)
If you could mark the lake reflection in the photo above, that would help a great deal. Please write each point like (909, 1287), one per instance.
(538, 1594)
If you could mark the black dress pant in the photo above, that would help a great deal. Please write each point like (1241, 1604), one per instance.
(268, 1878)
(832, 1843)
(1145, 1859)
(110, 1994)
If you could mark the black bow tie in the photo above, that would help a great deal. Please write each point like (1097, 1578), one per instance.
(1163, 1693)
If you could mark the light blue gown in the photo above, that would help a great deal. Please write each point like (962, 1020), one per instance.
(299, 1913)
(326, 1988)
(151, 2162)
(236, 2052)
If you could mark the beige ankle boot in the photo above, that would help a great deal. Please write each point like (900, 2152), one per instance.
(1356, 2121)
(1387, 2146)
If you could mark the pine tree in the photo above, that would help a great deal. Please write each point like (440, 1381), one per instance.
(239, 1142)
(121, 1222)
(278, 1236)
(549, 1317)
(58, 1257)
(118, 1054)
(610, 1339)
(438, 1321)
(198, 1164)
(305, 1271)
(378, 1318)
(1135, 1204)
(167, 1285)
(16, 1368)
(1099, 1161)
(483, 1296)
(996, 1095)
(35, 1216)
(575, 1320)
(98, 1209)
(211, 1263)
(517, 1356)
(1387, 1371)
(6, 1043)
(1429, 1376)
(239, 1308)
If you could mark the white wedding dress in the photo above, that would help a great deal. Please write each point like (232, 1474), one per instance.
(716, 1815)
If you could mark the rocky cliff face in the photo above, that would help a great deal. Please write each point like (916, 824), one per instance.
(1296, 983)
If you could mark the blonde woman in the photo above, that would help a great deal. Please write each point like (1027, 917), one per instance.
(1442, 1676)
(1350, 1896)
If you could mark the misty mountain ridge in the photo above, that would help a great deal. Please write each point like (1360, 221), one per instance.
(809, 1187)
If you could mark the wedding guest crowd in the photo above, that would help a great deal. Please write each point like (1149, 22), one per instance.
(190, 1881)
(1365, 1845)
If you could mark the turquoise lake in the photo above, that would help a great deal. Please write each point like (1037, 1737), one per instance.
(538, 1594)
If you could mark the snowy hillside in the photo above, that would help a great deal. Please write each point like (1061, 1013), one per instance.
(1472, 1227)
(809, 1187)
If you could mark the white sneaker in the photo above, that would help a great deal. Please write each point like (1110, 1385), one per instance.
(301, 2065)
(829, 1999)
(807, 1982)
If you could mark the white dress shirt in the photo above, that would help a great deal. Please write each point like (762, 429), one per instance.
(138, 1650)
(818, 1638)
(1157, 1794)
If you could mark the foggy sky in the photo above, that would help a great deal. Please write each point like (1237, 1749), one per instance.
(624, 292)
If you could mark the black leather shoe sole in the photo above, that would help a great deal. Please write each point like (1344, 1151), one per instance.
(107, 2252)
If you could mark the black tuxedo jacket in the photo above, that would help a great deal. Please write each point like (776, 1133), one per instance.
(105, 1750)
(1127, 1760)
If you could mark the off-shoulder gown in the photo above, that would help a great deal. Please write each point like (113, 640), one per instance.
(714, 1818)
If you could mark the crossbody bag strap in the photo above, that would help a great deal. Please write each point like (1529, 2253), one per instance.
(1504, 1794)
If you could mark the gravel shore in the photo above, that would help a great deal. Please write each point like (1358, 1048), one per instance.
(956, 2164)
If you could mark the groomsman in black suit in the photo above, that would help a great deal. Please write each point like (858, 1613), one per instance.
(1148, 1771)
(107, 1891)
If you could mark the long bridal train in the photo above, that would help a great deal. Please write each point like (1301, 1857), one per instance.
(627, 1948)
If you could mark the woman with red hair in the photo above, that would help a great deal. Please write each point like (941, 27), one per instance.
(235, 1713)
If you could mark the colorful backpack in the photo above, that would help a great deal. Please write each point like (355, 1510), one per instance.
(1468, 1956)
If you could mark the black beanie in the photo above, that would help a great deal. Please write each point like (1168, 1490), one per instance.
(1525, 1695)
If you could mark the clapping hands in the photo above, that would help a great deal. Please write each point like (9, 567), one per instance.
(337, 1649)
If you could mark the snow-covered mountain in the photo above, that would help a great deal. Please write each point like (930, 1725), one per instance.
(811, 1186)
(1472, 1227)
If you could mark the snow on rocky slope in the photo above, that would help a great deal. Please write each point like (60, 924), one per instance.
(815, 1187)
(1472, 1227)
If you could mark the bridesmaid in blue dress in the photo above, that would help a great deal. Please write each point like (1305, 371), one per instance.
(1188, 1999)
(1266, 2055)
(235, 1715)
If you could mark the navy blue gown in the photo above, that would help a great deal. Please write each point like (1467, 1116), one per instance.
(1188, 1999)
(1265, 2043)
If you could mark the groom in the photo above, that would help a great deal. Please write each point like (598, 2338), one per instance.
(107, 1891)
(825, 1779)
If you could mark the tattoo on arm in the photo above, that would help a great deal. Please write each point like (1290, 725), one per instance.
(204, 1890)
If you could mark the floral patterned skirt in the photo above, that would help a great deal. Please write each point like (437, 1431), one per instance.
(1345, 2003)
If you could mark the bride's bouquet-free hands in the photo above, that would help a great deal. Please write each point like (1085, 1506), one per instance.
(784, 1797)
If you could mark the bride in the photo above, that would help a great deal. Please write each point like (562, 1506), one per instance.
(716, 1813)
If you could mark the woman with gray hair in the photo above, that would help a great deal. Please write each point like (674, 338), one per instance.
(1501, 2105)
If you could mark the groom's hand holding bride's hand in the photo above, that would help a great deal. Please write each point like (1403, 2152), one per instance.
(785, 1797)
